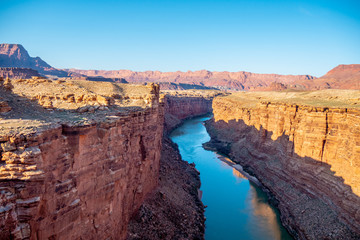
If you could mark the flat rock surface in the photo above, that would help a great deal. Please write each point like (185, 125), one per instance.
(330, 98)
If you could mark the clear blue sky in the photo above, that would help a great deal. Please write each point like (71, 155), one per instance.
(285, 37)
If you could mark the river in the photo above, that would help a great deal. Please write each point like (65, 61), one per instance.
(236, 208)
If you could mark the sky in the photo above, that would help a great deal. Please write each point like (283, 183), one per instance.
(283, 37)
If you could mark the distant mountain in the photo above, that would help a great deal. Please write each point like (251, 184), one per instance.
(341, 77)
(15, 55)
(222, 80)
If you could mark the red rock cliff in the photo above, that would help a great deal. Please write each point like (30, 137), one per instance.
(307, 156)
(76, 180)
(185, 104)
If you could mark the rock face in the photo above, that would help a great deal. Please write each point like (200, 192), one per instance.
(179, 106)
(17, 73)
(71, 175)
(306, 156)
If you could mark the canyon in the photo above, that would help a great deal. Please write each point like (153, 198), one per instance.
(303, 147)
(80, 159)
(86, 153)
(174, 210)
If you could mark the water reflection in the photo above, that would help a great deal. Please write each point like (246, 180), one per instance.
(238, 174)
(237, 209)
(263, 212)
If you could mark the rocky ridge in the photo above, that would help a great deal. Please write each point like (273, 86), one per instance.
(304, 149)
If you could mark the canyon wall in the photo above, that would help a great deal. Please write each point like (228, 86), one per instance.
(66, 174)
(186, 104)
(306, 156)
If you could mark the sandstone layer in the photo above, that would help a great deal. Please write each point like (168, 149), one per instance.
(304, 147)
(76, 160)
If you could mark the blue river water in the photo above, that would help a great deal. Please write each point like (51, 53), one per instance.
(236, 208)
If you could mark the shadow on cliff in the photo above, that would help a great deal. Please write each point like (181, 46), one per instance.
(270, 159)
